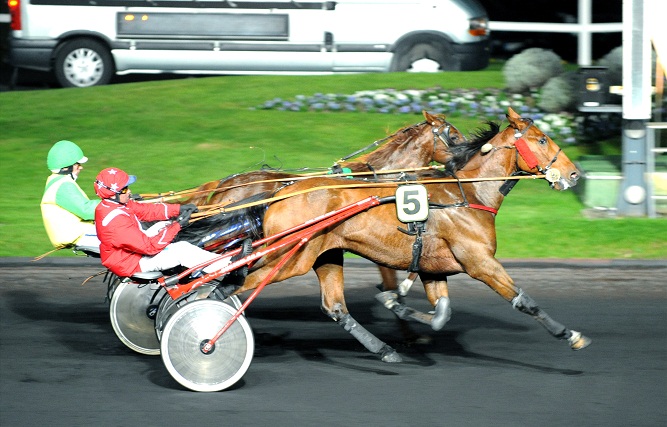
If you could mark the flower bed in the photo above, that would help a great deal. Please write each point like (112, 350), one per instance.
(485, 104)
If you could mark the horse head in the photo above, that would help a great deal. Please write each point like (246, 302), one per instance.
(538, 154)
(413, 146)
(445, 135)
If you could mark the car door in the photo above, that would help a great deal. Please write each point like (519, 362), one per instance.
(291, 36)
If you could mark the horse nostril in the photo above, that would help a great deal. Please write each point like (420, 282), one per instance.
(574, 176)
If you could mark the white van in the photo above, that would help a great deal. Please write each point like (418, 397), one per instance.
(86, 42)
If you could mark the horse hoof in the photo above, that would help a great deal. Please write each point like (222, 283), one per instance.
(442, 314)
(389, 355)
(578, 341)
(388, 298)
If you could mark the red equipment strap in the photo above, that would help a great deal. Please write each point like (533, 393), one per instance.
(527, 155)
(483, 208)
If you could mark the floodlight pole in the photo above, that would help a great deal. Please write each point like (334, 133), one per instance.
(632, 199)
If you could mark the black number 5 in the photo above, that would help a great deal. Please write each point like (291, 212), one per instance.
(411, 203)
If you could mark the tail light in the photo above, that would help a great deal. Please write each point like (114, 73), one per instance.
(15, 13)
(478, 27)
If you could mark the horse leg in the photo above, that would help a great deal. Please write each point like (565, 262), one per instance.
(526, 304)
(390, 281)
(494, 275)
(407, 283)
(437, 293)
(389, 298)
(329, 270)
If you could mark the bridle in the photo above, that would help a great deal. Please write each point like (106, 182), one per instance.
(442, 133)
(522, 149)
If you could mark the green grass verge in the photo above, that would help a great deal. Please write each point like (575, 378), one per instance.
(177, 134)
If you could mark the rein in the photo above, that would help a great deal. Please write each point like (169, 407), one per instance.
(174, 195)
(441, 132)
(216, 209)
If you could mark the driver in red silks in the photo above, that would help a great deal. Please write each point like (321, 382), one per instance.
(126, 248)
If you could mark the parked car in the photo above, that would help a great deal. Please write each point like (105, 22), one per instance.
(85, 43)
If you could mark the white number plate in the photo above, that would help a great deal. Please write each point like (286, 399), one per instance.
(411, 203)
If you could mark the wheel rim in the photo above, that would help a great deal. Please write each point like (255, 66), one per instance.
(83, 67)
(168, 306)
(182, 339)
(129, 313)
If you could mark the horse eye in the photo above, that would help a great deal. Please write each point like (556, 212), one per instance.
(542, 140)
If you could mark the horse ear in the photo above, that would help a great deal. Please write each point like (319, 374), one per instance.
(512, 117)
(430, 118)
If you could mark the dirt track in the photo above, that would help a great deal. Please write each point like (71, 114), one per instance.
(61, 363)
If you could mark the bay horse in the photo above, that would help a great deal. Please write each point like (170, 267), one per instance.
(413, 146)
(457, 237)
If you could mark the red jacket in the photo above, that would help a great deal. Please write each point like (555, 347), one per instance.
(123, 241)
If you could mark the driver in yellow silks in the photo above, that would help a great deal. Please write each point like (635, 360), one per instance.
(67, 211)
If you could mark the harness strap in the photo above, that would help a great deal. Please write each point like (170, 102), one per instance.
(483, 208)
(416, 252)
(525, 152)
(415, 229)
(372, 169)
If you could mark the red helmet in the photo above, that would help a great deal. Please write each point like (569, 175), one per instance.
(111, 181)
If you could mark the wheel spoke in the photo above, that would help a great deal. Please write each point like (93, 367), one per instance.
(184, 335)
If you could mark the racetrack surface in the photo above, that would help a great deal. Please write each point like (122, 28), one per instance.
(62, 365)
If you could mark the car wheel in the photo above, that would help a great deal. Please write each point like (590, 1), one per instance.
(427, 56)
(83, 63)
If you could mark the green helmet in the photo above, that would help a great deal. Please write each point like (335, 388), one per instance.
(64, 154)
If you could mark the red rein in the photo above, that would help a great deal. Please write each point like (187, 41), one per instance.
(527, 155)
(483, 208)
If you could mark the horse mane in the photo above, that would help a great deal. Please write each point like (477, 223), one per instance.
(463, 152)
(389, 144)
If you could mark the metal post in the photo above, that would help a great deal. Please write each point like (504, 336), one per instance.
(650, 169)
(632, 200)
(584, 38)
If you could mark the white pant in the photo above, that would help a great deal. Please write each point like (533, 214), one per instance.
(185, 254)
(89, 238)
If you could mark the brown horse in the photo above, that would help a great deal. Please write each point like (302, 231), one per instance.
(457, 237)
(413, 146)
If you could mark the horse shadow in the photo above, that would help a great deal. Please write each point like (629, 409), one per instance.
(272, 340)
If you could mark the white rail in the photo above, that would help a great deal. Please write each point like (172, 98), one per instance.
(653, 152)
(584, 29)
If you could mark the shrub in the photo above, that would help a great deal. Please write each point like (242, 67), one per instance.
(559, 93)
(614, 63)
(530, 69)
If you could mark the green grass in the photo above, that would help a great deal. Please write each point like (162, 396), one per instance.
(177, 134)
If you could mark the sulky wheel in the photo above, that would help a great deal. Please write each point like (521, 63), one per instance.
(192, 326)
(168, 306)
(132, 311)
